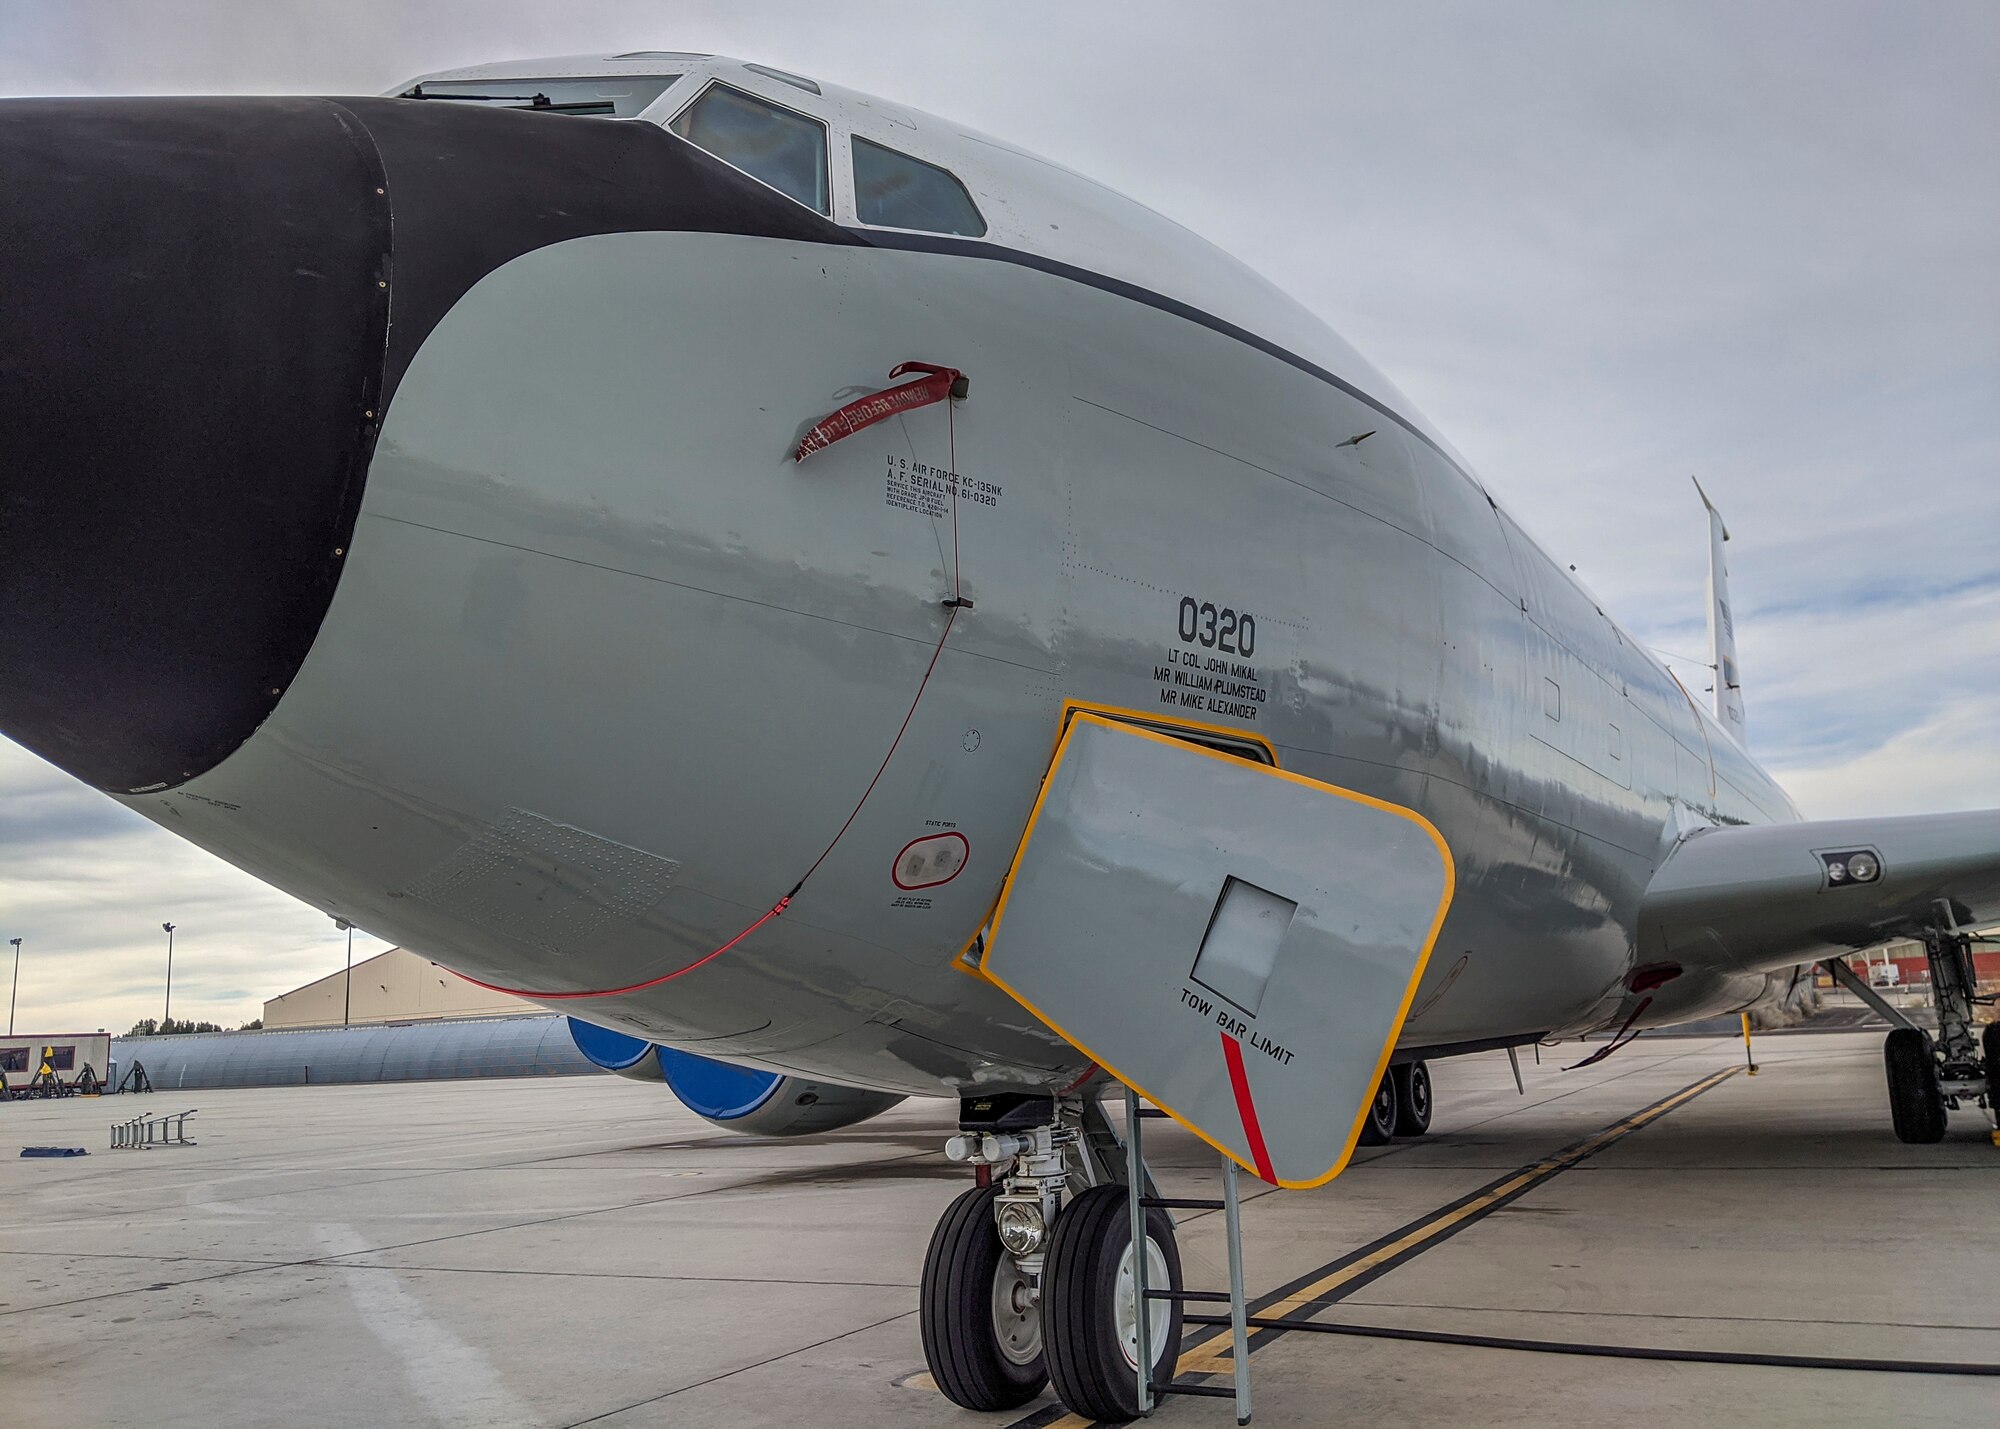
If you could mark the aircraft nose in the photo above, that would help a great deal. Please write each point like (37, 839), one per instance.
(204, 306)
(193, 307)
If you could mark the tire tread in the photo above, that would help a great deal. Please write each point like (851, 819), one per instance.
(1373, 1131)
(1410, 1119)
(969, 1370)
(1085, 1365)
(1916, 1105)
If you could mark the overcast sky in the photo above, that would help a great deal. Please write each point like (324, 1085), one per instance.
(1603, 246)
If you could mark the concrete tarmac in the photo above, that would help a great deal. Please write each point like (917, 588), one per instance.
(583, 1251)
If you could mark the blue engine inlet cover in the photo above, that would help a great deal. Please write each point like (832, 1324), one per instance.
(613, 1051)
(708, 1088)
(716, 1090)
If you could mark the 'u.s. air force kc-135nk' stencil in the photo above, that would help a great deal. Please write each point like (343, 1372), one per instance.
(1247, 970)
(635, 528)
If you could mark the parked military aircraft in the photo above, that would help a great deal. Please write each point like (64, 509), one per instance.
(688, 567)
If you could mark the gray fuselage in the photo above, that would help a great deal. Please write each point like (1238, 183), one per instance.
(615, 704)
(601, 641)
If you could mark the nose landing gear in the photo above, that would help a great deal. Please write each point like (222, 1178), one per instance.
(1031, 1279)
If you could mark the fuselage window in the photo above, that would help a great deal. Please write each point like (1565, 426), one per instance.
(782, 147)
(893, 190)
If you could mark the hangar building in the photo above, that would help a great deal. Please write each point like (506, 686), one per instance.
(396, 986)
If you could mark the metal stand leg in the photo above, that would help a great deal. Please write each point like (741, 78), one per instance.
(1141, 1199)
(1239, 1331)
(1135, 1191)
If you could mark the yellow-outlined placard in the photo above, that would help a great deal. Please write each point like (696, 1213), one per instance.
(963, 960)
(1076, 717)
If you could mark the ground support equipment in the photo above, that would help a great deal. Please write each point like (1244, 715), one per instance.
(142, 1133)
(1152, 1387)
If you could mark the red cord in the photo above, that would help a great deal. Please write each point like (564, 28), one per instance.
(776, 909)
(1088, 1072)
(907, 717)
(951, 617)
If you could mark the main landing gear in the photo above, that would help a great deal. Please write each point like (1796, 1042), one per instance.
(1931, 1075)
(1402, 1105)
(1029, 1277)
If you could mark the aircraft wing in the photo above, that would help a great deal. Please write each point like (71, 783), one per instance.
(1775, 895)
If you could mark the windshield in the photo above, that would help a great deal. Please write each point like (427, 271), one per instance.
(609, 97)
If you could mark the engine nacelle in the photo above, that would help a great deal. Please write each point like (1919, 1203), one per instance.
(734, 1098)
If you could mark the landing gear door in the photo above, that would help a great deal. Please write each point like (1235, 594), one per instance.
(1239, 943)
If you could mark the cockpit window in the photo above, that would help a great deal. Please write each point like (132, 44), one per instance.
(613, 97)
(893, 190)
(780, 146)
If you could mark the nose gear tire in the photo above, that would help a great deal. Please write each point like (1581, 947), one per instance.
(1916, 1102)
(1087, 1361)
(978, 1361)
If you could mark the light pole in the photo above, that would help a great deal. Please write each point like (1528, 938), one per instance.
(347, 997)
(17, 985)
(167, 1015)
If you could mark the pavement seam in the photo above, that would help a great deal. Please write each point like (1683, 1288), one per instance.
(740, 1369)
(342, 1261)
(630, 1275)
(687, 1195)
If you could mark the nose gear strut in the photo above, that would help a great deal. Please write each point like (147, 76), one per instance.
(1041, 1254)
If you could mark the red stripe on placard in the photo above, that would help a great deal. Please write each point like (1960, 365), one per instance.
(1239, 1082)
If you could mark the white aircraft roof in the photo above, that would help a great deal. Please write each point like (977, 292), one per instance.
(1031, 204)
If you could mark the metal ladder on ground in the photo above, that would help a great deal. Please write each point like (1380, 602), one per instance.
(142, 1133)
(1140, 1200)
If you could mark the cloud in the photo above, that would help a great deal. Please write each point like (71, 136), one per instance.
(1604, 247)
(1949, 761)
(86, 883)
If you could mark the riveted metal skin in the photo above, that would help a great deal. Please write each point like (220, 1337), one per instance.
(583, 590)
